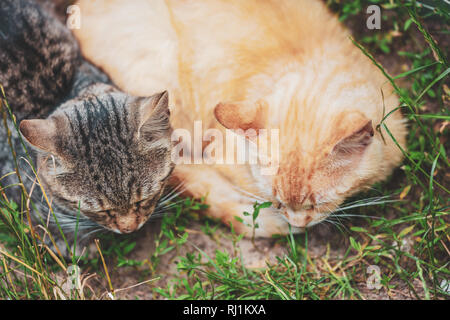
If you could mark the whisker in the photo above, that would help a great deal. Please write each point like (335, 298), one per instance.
(160, 203)
(249, 194)
(366, 200)
(160, 215)
(368, 204)
(166, 196)
(357, 216)
(172, 204)
(86, 235)
(336, 224)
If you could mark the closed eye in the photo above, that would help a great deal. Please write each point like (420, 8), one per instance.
(144, 204)
(140, 203)
(277, 204)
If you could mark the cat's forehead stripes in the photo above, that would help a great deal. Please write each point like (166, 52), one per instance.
(106, 147)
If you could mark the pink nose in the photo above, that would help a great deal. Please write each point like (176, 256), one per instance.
(127, 223)
(298, 219)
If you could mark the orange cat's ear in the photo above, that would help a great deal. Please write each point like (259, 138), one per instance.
(242, 115)
(359, 135)
(41, 134)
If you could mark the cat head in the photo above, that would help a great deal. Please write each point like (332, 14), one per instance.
(107, 155)
(320, 160)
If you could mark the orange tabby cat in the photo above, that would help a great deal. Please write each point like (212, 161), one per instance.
(272, 64)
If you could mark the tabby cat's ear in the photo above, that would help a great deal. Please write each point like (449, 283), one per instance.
(154, 116)
(242, 115)
(41, 134)
(357, 136)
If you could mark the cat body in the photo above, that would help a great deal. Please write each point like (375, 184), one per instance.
(287, 65)
(101, 155)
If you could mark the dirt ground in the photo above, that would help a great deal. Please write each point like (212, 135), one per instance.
(266, 251)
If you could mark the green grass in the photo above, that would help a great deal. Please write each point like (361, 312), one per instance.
(407, 240)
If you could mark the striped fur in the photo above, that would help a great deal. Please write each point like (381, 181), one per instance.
(97, 150)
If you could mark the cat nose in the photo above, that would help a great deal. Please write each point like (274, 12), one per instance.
(298, 219)
(127, 223)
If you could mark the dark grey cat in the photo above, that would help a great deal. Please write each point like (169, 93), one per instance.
(99, 152)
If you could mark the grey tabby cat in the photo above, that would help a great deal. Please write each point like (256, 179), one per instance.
(100, 151)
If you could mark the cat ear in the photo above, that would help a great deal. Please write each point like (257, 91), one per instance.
(357, 140)
(40, 133)
(242, 115)
(154, 116)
